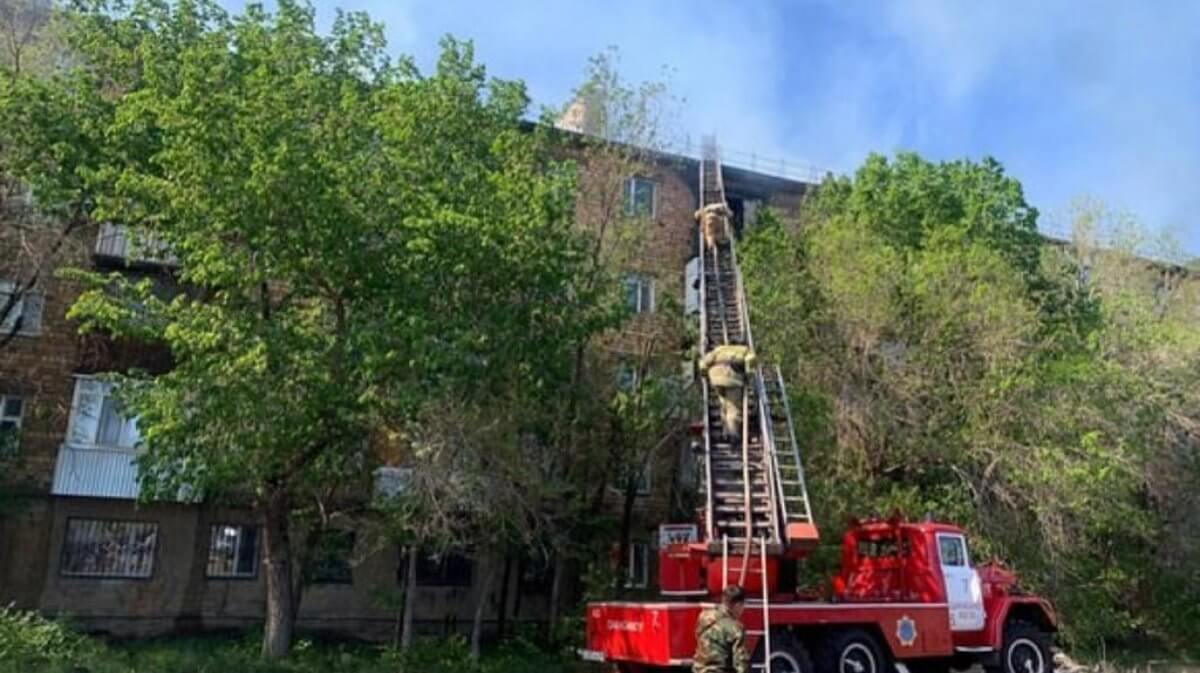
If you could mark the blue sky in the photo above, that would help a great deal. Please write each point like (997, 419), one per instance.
(1098, 99)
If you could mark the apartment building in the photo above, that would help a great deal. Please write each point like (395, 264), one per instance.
(78, 544)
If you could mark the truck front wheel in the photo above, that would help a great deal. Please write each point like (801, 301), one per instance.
(852, 651)
(1026, 650)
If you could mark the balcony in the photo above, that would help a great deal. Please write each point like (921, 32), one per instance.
(116, 243)
(98, 472)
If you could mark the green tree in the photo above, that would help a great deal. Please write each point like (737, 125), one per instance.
(353, 239)
(619, 409)
(35, 233)
(948, 360)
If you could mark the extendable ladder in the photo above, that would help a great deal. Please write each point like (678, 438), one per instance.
(755, 491)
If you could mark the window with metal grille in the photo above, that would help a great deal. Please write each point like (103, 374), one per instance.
(639, 293)
(97, 420)
(232, 551)
(109, 548)
(448, 569)
(25, 315)
(639, 197)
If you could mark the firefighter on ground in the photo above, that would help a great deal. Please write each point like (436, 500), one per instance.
(720, 637)
(726, 367)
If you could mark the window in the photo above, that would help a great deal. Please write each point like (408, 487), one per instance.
(331, 560)
(953, 550)
(390, 482)
(96, 418)
(27, 310)
(232, 551)
(627, 376)
(639, 197)
(444, 570)
(11, 407)
(637, 568)
(639, 293)
(644, 478)
(108, 548)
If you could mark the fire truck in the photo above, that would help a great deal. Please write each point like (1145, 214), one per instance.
(906, 596)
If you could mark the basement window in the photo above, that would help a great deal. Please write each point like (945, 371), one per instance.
(639, 197)
(444, 570)
(109, 548)
(232, 551)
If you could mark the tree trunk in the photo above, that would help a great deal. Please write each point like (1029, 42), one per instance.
(281, 610)
(556, 594)
(502, 610)
(410, 597)
(484, 589)
(626, 533)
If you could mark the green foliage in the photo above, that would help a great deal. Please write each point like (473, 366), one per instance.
(48, 647)
(28, 640)
(356, 238)
(945, 361)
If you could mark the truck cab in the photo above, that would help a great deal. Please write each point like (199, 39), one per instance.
(893, 561)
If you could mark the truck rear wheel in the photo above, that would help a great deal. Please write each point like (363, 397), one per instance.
(852, 651)
(787, 655)
(1026, 649)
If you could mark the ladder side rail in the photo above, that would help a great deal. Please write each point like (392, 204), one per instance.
(724, 562)
(708, 469)
(766, 607)
(702, 271)
(748, 502)
(771, 466)
(743, 309)
(787, 408)
(775, 483)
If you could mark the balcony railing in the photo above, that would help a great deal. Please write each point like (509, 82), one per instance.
(116, 242)
(98, 472)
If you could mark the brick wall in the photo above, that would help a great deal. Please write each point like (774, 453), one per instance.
(180, 596)
(39, 368)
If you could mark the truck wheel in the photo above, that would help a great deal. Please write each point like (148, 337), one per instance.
(787, 655)
(1026, 650)
(853, 651)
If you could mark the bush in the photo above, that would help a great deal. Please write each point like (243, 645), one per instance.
(28, 640)
(432, 656)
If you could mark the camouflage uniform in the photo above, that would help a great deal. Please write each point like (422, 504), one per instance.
(720, 643)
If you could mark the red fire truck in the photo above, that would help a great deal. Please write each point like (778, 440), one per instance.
(906, 595)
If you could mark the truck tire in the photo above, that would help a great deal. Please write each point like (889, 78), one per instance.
(852, 651)
(788, 655)
(1026, 649)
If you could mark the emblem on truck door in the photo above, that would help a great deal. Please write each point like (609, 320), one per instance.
(906, 631)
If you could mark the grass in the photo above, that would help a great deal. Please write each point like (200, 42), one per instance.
(30, 644)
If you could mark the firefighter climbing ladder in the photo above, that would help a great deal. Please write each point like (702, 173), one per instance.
(752, 491)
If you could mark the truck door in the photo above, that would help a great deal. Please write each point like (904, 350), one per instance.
(963, 591)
